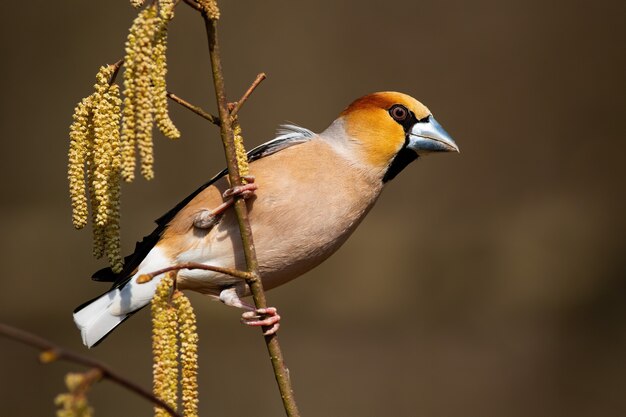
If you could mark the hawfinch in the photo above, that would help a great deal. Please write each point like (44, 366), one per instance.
(313, 191)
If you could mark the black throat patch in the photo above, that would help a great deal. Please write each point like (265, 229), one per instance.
(400, 161)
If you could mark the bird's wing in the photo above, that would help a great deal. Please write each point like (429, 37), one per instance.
(289, 135)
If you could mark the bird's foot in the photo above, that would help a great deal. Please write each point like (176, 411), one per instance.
(245, 190)
(253, 316)
(206, 219)
(262, 317)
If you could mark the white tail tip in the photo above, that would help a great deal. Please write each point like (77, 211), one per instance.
(95, 321)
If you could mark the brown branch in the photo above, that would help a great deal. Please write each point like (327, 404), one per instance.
(239, 104)
(194, 265)
(280, 370)
(51, 352)
(197, 110)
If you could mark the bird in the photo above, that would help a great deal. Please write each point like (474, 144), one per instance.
(306, 194)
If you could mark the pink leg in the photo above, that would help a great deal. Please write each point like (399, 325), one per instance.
(206, 219)
(262, 317)
(245, 190)
(253, 317)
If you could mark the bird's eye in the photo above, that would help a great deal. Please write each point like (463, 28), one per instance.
(399, 113)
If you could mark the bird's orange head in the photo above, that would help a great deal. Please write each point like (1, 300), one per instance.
(388, 130)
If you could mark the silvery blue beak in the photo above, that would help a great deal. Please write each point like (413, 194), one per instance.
(429, 136)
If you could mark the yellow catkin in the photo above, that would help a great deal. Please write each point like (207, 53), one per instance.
(112, 244)
(102, 161)
(162, 118)
(210, 6)
(128, 139)
(74, 403)
(137, 3)
(95, 155)
(242, 157)
(113, 96)
(104, 170)
(102, 151)
(166, 10)
(188, 354)
(112, 231)
(144, 98)
(145, 91)
(164, 346)
(78, 153)
(98, 239)
(90, 166)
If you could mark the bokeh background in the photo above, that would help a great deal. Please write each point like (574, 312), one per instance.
(490, 283)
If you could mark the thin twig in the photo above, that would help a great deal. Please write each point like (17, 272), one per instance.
(116, 69)
(194, 5)
(280, 370)
(51, 351)
(194, 265)
(197, 110)
(242, 100)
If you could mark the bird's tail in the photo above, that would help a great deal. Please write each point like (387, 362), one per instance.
(95, 320)
(98, 317)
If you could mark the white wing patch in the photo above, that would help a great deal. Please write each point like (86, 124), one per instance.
(288, 135)
(291, 131)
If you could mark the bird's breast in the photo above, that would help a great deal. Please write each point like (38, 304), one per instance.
(302, 216)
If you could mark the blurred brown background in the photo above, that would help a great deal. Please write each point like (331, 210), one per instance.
(490, 283)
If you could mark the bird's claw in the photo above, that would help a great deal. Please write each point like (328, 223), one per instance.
(245, 190)
(267, 317)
